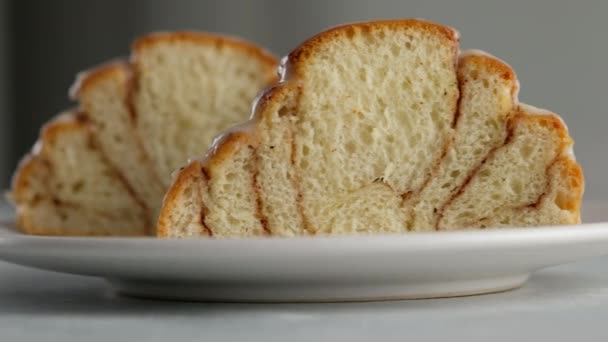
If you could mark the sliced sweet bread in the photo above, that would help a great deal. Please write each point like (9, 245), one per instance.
(180, 87)
(102, 97)
(381, 127)
(187, 87)
(66, 186)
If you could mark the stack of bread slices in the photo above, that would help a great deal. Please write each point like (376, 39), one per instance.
(377, 127)
(103, 167)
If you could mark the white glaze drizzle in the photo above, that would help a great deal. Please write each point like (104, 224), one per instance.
(248, 126)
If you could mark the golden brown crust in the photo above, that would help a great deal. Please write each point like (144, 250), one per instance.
(308, 47)
(297, 58)
(490, 63)
(550, 121)
(486, 63)
(90, 78)
(572, 175)
(207, 39)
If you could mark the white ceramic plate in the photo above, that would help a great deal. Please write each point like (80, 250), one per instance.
(422, 265)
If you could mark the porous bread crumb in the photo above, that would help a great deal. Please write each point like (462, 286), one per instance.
(382, 127)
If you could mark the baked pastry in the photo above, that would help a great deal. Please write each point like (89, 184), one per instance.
(141, 120)
(381, 127)
(66, 186)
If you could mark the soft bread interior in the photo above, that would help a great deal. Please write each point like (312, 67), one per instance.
(381, 127)
(515, 176)
(67, 186)
(384, 115)
(140, 119)
(231, 195)
(102, 94)
(487, 88)
(185, 198)
(188, 90)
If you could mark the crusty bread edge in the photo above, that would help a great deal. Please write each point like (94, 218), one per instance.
(187, 177)
(91, 77)
(495, 64)
(305, 49)
(571, 170)
(574, 173)
(206, 39)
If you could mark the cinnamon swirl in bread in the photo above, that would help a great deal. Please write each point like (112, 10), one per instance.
(104, 170)
(381, 127)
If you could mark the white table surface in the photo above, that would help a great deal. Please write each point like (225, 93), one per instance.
(565, 303)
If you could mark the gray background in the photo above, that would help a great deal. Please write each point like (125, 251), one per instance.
(558, 48)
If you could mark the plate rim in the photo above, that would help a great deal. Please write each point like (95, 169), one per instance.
(9, 235)
(98, 256)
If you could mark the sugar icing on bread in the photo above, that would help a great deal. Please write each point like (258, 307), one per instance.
(143, 119)
(382, 127)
